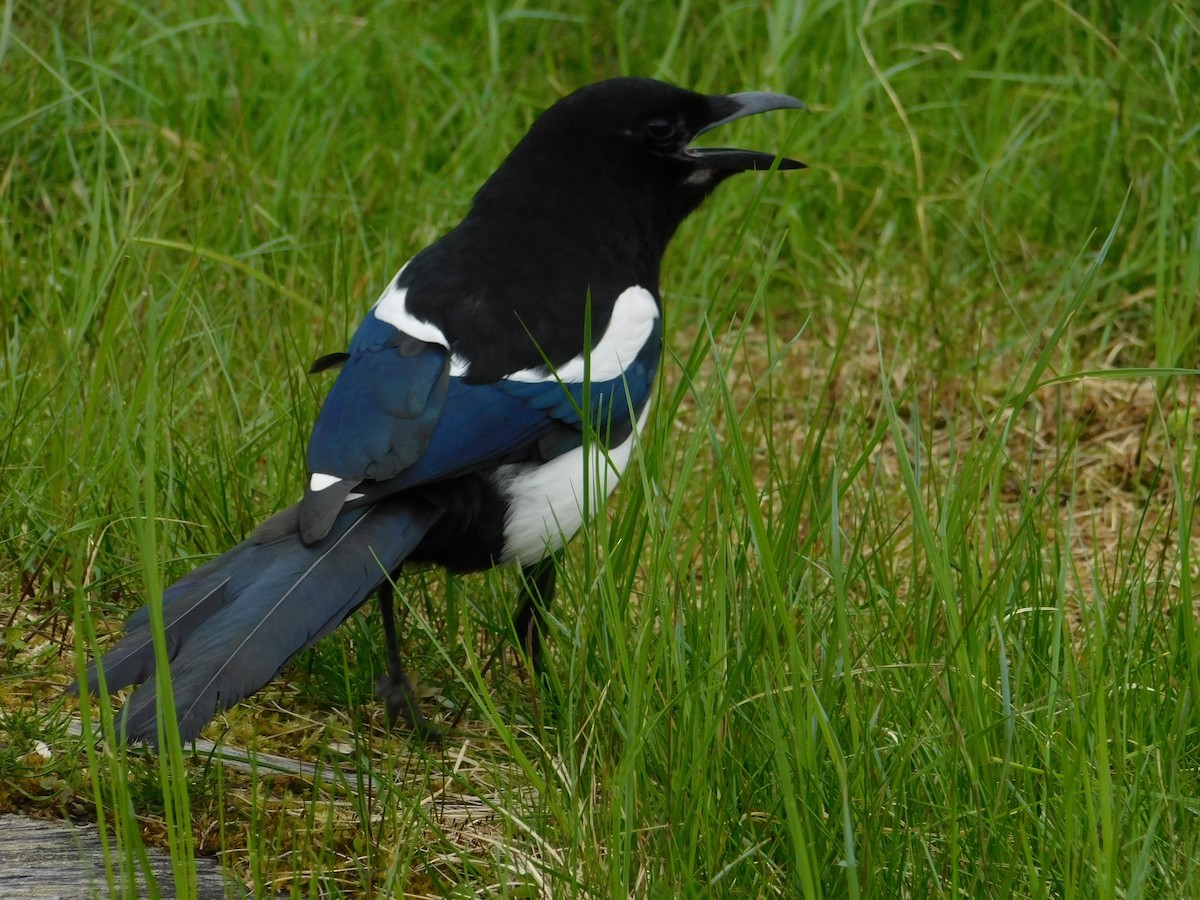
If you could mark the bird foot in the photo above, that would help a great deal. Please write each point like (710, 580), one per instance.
(396, 692)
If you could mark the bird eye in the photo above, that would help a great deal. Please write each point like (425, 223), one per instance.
(660, 131)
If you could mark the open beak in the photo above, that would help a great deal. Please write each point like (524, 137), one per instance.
(728, 107)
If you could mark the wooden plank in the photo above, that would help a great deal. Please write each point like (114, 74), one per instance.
(53, 859)
(262, 763)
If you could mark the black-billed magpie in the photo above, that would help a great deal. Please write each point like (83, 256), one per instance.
(460, 426)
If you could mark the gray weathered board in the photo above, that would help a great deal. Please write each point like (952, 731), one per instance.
(58, 860)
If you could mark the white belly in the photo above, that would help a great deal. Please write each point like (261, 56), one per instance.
(547, 500)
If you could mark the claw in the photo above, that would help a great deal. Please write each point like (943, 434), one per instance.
(400, 702)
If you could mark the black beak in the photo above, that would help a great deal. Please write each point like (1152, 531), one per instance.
(727, 108)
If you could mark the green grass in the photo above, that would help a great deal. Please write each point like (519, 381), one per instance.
(900, 598)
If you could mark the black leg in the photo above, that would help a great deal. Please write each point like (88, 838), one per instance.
(537, 592)
(394, 688)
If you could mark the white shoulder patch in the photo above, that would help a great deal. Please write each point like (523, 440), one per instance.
(391, 308)
(629, 327)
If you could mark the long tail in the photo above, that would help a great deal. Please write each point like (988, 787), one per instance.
(233, 623)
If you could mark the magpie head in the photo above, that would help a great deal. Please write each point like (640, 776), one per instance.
(642, 122)
(628, 142)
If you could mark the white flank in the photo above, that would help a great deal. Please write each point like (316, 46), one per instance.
(628, 329)
(391, 308)
(320, 481)
(546, 501)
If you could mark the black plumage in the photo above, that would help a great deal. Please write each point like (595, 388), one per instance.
(454, 432)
